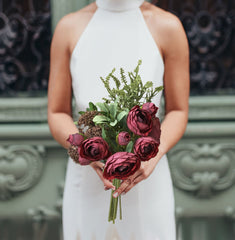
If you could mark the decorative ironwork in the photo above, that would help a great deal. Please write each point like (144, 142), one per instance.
(24, 45)
(210, 27)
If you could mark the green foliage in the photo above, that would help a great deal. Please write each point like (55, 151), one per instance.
(99, 119)
(129, 94)
(92, 106)
(103, 107)
(121, 115)
(129, 146)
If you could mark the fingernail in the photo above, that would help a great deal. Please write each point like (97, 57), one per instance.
(115, 194)
(113, 188)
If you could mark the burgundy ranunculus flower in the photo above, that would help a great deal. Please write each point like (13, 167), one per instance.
(121, 165)
(150, 108)
(83, 161)
(146, 148)
(94, 149)
(139, 121)
(75, 139)
(156, 131)
(123, 138)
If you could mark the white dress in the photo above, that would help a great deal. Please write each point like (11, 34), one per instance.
(116, 36)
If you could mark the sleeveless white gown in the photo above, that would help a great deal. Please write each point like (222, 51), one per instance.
(116, 36)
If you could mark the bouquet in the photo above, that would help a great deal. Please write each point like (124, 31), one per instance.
(121, 131)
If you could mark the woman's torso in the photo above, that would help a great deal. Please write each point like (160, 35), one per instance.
(112, 40)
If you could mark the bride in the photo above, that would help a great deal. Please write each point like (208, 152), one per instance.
(87, 44)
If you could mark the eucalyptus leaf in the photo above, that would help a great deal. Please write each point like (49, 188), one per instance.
(92, 106)
(103, 133)
(102, 107)
(113, 109)
(100, 119)
(112, 124)
(121, 115)
(129, 146)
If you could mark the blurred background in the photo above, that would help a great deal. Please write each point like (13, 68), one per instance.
(33, 165)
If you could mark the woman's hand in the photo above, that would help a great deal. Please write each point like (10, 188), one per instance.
(98, 167)
(145, 170)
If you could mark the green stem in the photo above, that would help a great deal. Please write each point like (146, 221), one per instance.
(111, 206)
(120, 207)
(114, 203)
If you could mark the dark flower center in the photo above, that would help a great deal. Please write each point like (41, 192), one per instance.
(141, 118)
(148, 149)
(121, 169)
(93, 151)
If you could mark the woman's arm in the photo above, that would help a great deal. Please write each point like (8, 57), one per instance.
(59, 89)
(175, 50)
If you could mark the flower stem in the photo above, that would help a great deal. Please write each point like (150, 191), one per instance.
(111, 207)
(114, 203)
(120, 207)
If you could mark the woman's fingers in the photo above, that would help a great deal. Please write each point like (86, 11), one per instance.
(98, 167)
(108, 185)
(129, 183)
(136, 180)
(122, 188)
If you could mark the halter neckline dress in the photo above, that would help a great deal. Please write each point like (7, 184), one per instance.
(116, 36)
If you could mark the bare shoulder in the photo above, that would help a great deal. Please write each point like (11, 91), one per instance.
(164, 26)
(72, 25)
(161, 19)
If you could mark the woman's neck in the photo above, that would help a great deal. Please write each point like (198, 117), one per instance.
(119, 5)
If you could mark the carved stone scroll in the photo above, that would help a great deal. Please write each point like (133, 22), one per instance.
(20, 169)
(203, 169)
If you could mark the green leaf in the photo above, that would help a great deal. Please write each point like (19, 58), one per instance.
(76, 123)
(102, 107)
(121, 115)
(148, 84)
(81, 112)
(112, 124)
(92, 106)
(113, 109)
(103, 133)
(129, 146)
(100, 119)
(158, 89)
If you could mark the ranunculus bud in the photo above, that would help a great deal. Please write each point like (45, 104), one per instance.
(156, 130)
(121, 165)
(139, 121)
(123, 138)
(150, 108)
(146, 148)
(75, 139)
(94, 149)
